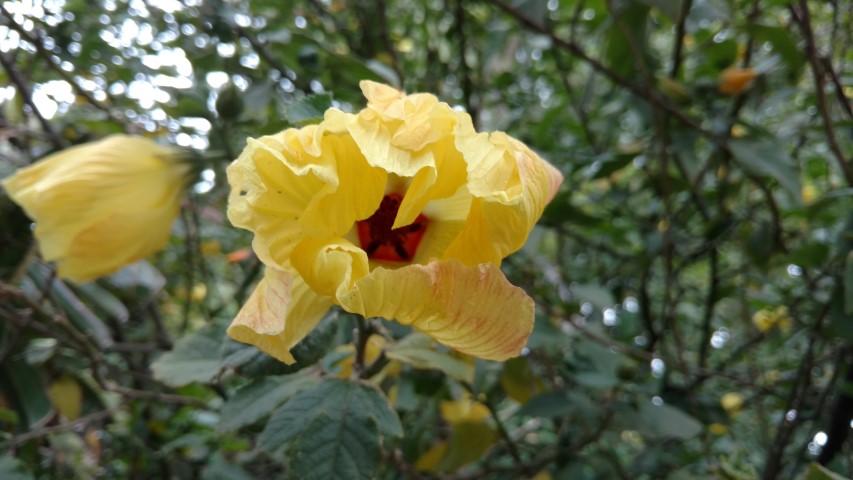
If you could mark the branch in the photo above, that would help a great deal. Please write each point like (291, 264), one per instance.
(647, 94)
(803, 18)
(27, 96)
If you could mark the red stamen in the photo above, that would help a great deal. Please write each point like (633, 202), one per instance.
(381, 242)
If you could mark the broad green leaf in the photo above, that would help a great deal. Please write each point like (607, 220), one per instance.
(548, 404)
(765, 156)
(627, 39)
(812, 254)
(102, 301)
(418, 350)
(259, 399)
(195, 358)
(221, 469)
(308, 109)
(78, 313)
(22, 387)
(666, 421)
(335, 398)
(13, 469)
(593, 379)
(335, 447)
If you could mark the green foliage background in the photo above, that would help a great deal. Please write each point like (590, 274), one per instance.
(684, 212)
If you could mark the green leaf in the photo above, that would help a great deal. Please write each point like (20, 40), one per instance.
(103, 301)
(627, 37)
(535, 10)
(666, 421)
(418, 350)
(24, 390)
(548, 404)
(308, 109)
(336, 398)
(78, 313)
(561, 210)
(195, 358)
(594, 294)
(258, 399)
(783, 44)
(546, 335)
(13, 469)
(221, 469)
(765, 156)
(848, 284)
(335, 447)
(840, 323)
(817, 471)
(670, 8)
(597, 380)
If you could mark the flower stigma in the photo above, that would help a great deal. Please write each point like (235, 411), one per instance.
(381, 242)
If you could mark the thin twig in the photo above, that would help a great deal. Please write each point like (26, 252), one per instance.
(27, 96)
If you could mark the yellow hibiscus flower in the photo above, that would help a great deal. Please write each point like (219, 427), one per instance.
(401, 211)
(101, 205)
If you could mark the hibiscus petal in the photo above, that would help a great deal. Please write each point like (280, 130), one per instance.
(358, 192)
(65, 193)
(433, 183)
(472, 309)
(329, 265)
(511, 185)
(108, 244)
(280, 313)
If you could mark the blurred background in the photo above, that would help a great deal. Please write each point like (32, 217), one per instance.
(693, 277)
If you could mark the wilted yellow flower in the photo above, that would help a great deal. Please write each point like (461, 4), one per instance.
(101, 205)
(766, 319)
(401, 211)
(732, 402)
(734, 81)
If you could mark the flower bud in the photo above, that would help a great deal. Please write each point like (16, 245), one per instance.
(101, 205)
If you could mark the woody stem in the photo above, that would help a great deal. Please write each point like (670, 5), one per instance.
(361, 334)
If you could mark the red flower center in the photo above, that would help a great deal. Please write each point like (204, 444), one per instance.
(381, 242)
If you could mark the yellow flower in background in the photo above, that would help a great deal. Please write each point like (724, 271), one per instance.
(101, 205)
(734, 81)
(464, 410)
(401, 211)
(732, 402)
(718, 429)
(767, 319)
